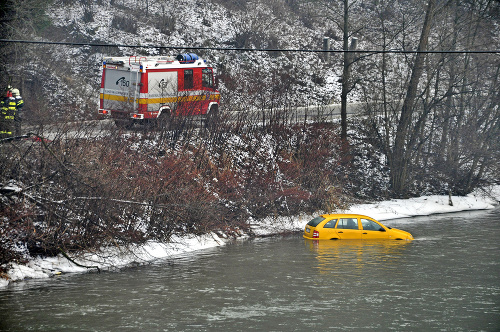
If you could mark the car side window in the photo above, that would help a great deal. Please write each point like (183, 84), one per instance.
(370, 225)
(348, 223)
(330, 224)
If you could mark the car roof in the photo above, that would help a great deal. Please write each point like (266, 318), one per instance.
(345, 215)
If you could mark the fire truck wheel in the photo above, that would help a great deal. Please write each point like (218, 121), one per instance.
(163, 121)
(124, 124)
(212, 118)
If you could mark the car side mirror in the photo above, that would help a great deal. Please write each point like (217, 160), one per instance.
(381, 229)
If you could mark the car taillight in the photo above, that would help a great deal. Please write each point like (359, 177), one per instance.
(315, 234)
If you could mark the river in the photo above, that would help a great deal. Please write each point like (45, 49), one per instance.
(447, 279)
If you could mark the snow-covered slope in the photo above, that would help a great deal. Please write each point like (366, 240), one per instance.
(284, 77)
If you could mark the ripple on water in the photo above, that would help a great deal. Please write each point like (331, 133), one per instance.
(443, 280)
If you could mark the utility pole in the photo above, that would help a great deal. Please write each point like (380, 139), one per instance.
(326, 48)
(349, 59)
(346, 74)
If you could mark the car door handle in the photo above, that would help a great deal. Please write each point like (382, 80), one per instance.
(340, 232)
(365, 233)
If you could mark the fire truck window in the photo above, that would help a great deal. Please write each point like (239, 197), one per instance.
(207, 78)
(188, 79)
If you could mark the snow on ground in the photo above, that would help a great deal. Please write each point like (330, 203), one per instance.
(392, 209)
(112, 258)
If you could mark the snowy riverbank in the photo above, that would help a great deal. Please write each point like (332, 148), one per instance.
(118, 257)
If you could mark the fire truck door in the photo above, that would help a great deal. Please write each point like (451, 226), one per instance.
(162, 89)
(121, 90)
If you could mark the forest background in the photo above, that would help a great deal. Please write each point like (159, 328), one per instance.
(430, 122)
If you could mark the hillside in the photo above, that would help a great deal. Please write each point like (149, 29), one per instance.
(70, 75)
(430, 126)
(62, 81)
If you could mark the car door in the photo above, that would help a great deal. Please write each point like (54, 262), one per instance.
(348, 229)
(372, 230)
(328, 230)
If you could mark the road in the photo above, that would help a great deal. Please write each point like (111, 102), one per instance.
(300, 114)
(93, 128)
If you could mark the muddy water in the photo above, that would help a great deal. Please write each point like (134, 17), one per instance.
(448, 279)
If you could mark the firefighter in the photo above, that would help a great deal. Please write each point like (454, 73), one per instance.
(19, 106)
(8, 112)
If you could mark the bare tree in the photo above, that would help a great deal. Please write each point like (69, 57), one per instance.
(401, 152)
(447, 140)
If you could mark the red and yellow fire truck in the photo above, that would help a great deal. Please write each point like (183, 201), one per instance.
(145, 89)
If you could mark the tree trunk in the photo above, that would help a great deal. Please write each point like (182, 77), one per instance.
(401, 151)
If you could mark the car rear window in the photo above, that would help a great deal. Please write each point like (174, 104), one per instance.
(315, 221)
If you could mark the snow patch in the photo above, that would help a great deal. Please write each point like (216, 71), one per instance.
(110, 258)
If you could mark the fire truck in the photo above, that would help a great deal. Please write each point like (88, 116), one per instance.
(139, 89)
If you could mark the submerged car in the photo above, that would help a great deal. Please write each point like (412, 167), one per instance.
(352, 227)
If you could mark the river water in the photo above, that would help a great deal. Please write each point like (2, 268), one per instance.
(447, 279)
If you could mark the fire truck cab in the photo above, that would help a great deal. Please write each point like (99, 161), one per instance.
(145, 89)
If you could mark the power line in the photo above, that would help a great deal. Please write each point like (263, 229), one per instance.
(238, 49)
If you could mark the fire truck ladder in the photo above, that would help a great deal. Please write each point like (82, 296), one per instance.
(136, 92)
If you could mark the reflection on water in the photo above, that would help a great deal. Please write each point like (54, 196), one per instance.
(337, 256)
(447, 279)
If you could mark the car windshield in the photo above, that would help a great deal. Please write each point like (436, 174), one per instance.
(315, 221)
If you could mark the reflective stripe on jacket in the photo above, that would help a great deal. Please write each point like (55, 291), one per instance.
(19, 102)
(9, 108)
(12, 105)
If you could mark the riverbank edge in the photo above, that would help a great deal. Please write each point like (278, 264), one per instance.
(116, 257)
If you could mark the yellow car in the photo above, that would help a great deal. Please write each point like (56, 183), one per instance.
(352, 227)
